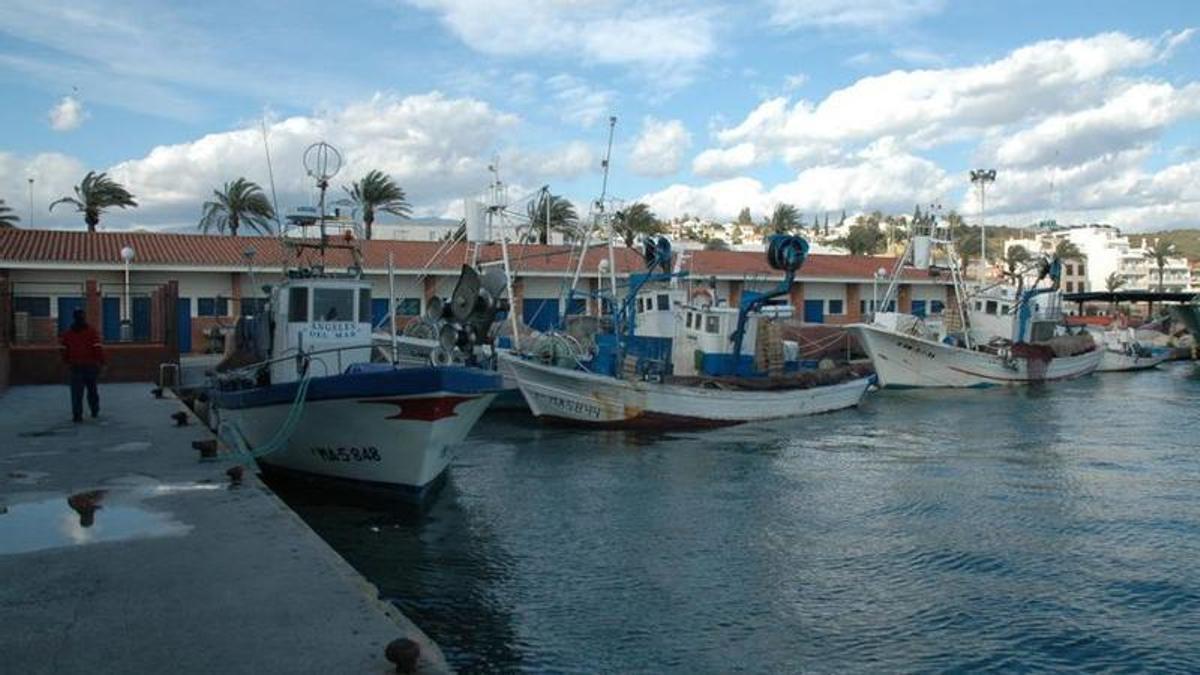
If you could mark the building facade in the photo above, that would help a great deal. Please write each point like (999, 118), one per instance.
(50, 273)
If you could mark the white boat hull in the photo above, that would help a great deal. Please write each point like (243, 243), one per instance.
(365, 440)
(586, 398)
(907, 361)
(1118, 361)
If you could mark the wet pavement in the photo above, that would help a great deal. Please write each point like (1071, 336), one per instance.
(122, 552)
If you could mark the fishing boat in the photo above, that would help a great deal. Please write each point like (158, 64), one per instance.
(695, 377)
(909, 351)
(303, 394)
(1124, 352)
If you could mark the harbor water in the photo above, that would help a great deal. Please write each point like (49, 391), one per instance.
(1051, 527)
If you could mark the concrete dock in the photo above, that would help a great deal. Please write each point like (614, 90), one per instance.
(122, 552)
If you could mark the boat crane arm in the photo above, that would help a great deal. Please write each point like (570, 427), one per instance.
(784, 252)
(1051, 268)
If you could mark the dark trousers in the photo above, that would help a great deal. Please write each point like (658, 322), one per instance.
(81, 377)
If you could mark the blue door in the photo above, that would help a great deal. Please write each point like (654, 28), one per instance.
(110, 311)
(540, 313)
(814, 311)
(379, 312)
(183, 322)
(66, 308)
(918, 308)
(141, 319)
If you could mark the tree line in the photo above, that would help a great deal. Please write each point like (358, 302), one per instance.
(238, 204)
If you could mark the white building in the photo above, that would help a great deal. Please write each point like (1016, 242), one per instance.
(1107, 251)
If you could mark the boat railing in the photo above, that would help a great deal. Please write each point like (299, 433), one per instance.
(292, 353)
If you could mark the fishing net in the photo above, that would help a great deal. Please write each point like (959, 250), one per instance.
(1037, 358)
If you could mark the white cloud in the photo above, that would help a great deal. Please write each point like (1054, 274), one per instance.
(842, 14)
(666, 39)
(54, 174)
(716, 162)
(1131, 117)
(562, 163)
(577, 102)
(67, 114)
(881, 178)
(930, 107)
(795, 81)
(659, 149)
(437, 148)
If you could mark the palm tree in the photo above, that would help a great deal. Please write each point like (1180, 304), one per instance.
(1113, 282)
(636, 220)
(242, 202)
(1066, 249)
(552, 212)
(376, 191)
(784, 219)
(96, 193)
(1015, 257)
(7, 217)
(1159, 252)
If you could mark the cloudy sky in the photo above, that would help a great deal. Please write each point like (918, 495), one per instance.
(1089, 111)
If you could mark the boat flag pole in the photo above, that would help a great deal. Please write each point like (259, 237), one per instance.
(392, 303)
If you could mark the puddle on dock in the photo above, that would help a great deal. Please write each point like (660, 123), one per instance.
(113, 513)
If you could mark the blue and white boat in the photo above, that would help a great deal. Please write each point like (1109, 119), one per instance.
(313, 402)
(695, 377)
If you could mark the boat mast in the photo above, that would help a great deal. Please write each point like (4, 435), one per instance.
(392, 303)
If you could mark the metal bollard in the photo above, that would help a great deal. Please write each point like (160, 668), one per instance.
(404, 653)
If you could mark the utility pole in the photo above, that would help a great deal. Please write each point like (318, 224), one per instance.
(981, 178)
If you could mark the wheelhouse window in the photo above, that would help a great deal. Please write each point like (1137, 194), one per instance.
(991, 307)
(712, 324)
(298, 304)
(364, 305)
(664, 302)
(333, 304)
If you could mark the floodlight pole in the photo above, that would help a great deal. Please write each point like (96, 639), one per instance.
(980, 178)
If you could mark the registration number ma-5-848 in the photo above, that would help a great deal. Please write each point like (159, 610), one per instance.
(352, 453)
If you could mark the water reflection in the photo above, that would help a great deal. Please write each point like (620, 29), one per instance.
(38, 522)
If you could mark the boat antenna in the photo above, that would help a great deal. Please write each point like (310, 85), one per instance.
(271, 175)
(322, 161)
(612, 124)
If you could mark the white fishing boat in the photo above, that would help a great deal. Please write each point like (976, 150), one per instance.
(303, 395)
(697, 377)
(908, 351)
(1124, 352)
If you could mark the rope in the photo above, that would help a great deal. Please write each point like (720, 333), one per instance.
(232, 434)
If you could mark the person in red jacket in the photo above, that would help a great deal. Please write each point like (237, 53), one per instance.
(83, 354)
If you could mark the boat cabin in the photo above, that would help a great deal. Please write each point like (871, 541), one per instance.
(326, 317)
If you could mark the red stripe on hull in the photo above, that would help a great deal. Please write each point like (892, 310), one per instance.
(429, 409)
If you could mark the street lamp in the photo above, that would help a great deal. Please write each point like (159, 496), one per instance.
(980, 178)
(879, 274)
(31, 202)
(126, 326)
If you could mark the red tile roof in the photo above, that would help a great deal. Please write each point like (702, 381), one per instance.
(195, 250)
